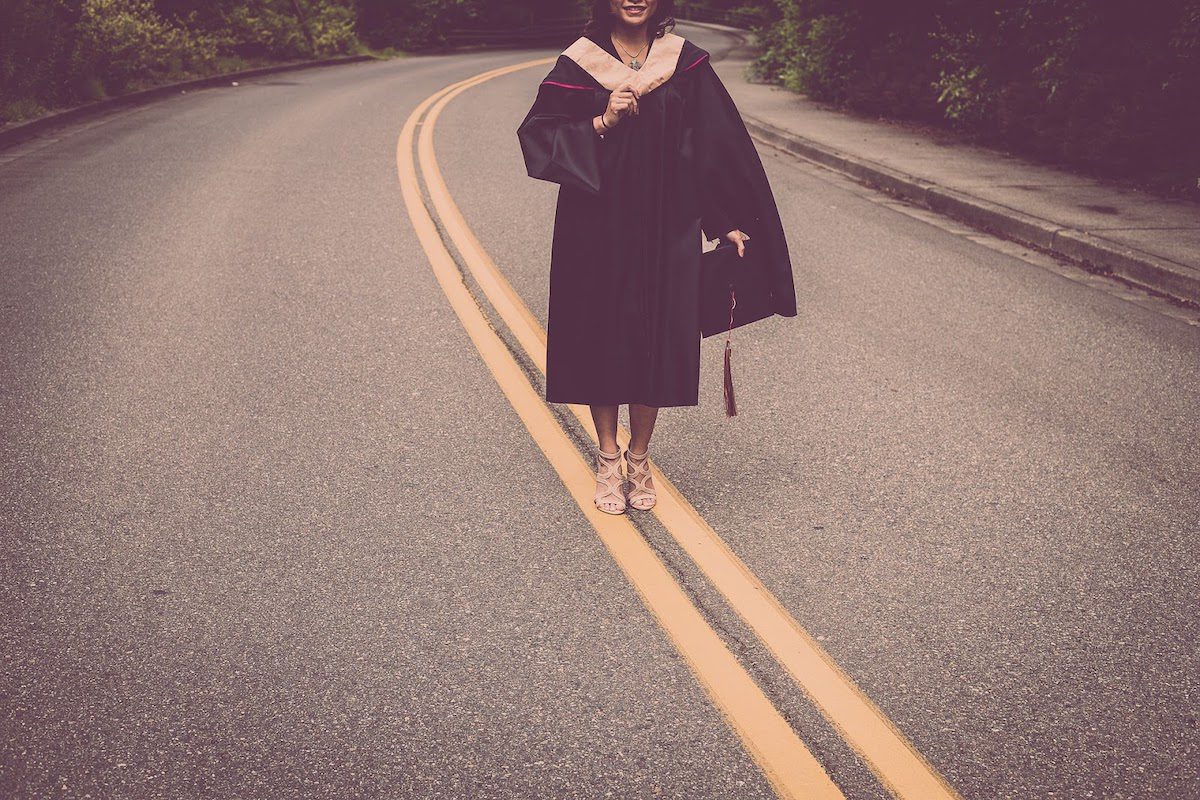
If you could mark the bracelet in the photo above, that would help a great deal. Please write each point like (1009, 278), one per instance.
(603, 125)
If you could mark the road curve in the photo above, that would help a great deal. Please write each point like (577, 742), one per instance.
(272, 530)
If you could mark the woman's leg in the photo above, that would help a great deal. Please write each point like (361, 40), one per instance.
(605, 419)
(610, 491)
(641, 426)
(637, 458)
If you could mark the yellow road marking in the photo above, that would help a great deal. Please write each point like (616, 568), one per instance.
(885, 750)
(788, 765)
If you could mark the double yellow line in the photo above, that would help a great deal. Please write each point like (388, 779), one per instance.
(789, 766)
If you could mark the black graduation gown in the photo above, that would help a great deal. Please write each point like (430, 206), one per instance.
(623, 323)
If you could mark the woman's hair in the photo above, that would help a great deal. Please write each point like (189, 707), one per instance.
(602, 18)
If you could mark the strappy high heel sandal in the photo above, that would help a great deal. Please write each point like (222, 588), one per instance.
(637, 469)
(610, 494)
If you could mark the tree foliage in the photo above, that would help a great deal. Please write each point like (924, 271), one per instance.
(1107, 85)
(60, 52)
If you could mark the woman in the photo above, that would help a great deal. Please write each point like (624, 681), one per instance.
(648, 149)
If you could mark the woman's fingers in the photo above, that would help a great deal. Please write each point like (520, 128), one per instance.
(738, 238)
(624, 100)
(628, 93)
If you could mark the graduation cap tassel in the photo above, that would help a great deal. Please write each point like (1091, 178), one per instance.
(730, 403)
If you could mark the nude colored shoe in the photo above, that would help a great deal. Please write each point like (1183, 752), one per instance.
(637, 469)
(610, 484)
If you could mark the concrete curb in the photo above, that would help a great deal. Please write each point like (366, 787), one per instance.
(1091, 252)
(716, 26)
(12, 134)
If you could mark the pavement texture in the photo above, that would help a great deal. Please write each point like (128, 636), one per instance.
(969, 477)
(1147, 240)
(271, 530)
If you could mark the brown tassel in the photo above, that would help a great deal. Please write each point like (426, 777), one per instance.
(730, 405)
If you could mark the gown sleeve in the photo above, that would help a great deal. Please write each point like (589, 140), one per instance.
(712, 130)
(715, 221)
(734, 193)
(557, 138)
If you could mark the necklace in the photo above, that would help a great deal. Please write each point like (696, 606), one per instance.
(634, 63)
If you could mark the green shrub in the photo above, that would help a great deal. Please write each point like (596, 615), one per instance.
(417, 23)
(333, 30)
(1105, 85)
(62, 52)
(35, 49)
(123, 41)
(19, 109)
(264, 29)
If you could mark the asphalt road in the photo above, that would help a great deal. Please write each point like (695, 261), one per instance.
(270, 529)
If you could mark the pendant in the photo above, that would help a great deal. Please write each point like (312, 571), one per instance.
(635, 64)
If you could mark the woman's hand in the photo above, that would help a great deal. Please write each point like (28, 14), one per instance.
(738, 238)
(621, 103)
